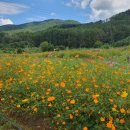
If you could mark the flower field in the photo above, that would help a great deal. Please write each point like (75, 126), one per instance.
(74, 90)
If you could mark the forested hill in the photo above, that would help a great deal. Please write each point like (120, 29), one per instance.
(122, 16)
(36, 26)
(114, 31)
(109, 31)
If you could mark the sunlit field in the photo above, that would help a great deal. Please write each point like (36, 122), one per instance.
(67, 90)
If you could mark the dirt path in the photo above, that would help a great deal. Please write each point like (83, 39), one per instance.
(20, 123)
(39, 124)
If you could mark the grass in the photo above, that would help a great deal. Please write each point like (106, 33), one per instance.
(85, 89)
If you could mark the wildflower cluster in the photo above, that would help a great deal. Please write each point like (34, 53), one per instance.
(74, 93)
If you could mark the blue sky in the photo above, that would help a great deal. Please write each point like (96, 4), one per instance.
(22, 11)
(38, 10)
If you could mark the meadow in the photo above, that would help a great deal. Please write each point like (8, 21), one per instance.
(84, 89)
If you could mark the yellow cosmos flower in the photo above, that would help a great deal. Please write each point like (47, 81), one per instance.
(87, 90)
(25, 100)
(18, 106)
(1, 84)
(114, 109)
(124, 94)
(96, 101)
(102, 119)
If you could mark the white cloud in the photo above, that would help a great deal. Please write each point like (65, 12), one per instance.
(78, 3)
(101, 9)
(11, 8)
(5, 22)
(85, 3)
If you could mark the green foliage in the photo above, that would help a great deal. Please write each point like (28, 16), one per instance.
(98, 44)
(58, 48)
(68, 33)
(20, 44)
(45, 46)
(124, 42)
(20, 51)
(74, 94)
(106, 46)
(8, 124)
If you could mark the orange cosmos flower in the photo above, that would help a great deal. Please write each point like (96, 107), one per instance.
(113, 127)
(71, 116)
(51, 99)
(111, 119)
(50, 105)
(35, 109)
(122, 110)
(83, 79)
(121, 82)
(95, 96)
(122, 121)
(72, 101)
(64, 123)
(85, 128)
(62, 84)
(128, 80)
(109, 125)
(111, 100)
(118, 93)
(76, 111)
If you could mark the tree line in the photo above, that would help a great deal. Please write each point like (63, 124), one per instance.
(73, 36)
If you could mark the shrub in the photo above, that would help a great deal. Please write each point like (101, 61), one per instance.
(19, 51)
(20, 44)
(61, 47)
(105, 46)
(45, 46)
(124, 42)
(98, 44)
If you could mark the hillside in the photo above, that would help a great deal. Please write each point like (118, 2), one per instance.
(122, 16)
(36, 26)
(68, 33)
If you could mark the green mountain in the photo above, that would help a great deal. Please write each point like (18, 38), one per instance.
(114, 31)
(36, 26)
(121, 16)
